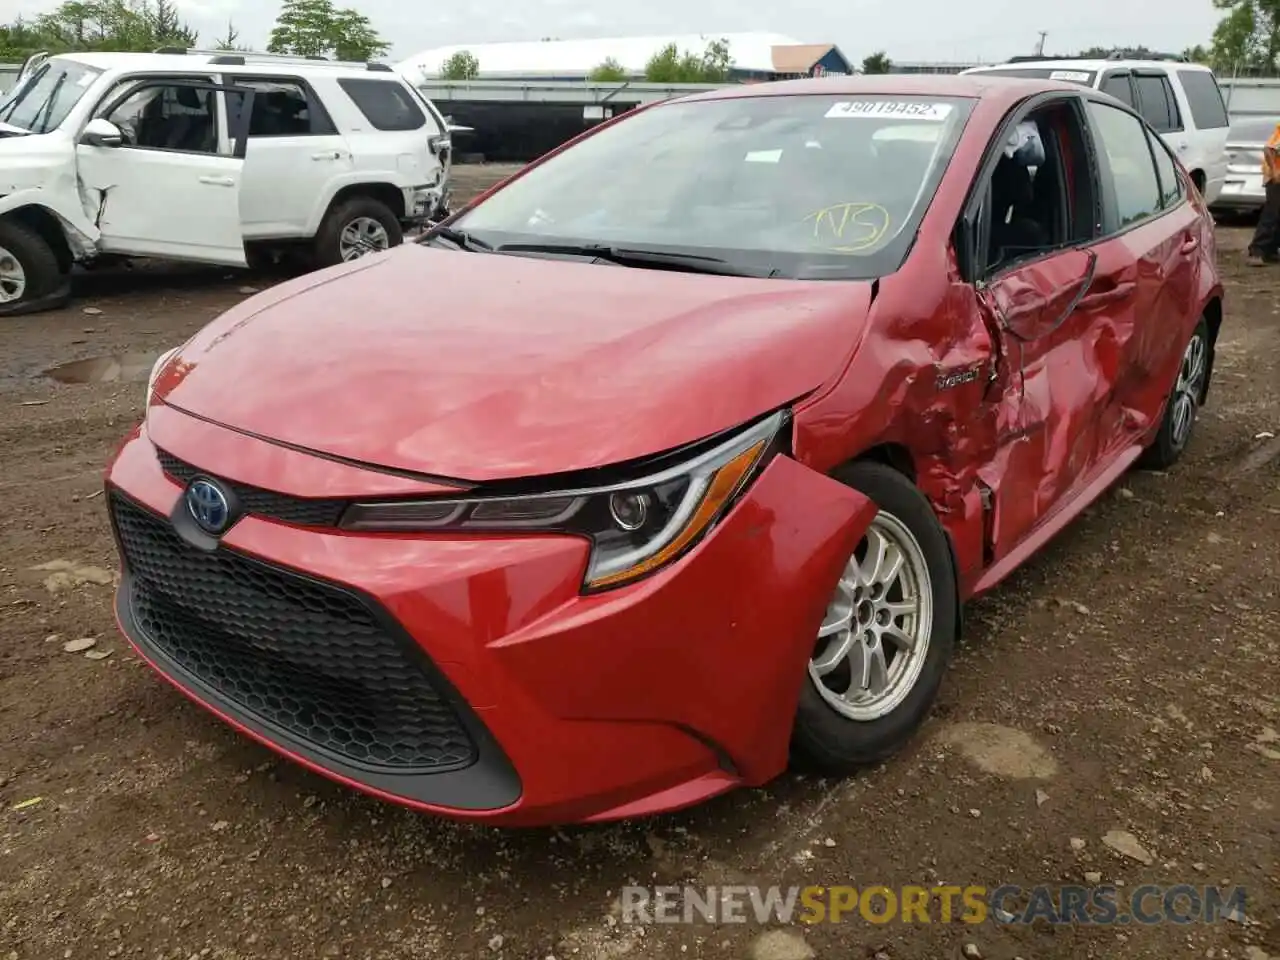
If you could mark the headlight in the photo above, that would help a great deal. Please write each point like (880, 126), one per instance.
(635, 527)
(155, 373)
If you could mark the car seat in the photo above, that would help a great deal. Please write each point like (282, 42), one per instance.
(1014, 229)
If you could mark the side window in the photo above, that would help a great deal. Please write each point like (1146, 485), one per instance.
(281, 108)
(1156, 102)
(1205, 97)
(171, 116)
(1170, 182)
(386, 104)
(1127, 153)
(1117, 85)
(1039, 197)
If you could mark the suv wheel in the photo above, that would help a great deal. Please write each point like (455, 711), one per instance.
(354, 228)
(30, 276)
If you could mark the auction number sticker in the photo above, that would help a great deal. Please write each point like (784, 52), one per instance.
(853, 109)
(1075, 76)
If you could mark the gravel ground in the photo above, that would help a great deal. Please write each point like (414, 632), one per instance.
(1126, 683)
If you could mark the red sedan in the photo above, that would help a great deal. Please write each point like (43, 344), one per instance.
(673, 457)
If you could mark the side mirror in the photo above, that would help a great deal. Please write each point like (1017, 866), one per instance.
(440, 144)
(101, 133)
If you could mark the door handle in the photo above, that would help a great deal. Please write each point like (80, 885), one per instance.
(1106, 297)
(327, 155)
(1189, 246)
(219, 181)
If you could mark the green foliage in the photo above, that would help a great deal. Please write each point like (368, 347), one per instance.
(125, 25)
(461, 66)
(317, 28)
(669, 65)
(610, 71)
(878, 62)
(230, 40)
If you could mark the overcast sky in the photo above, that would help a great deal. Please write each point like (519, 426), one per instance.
(906, 29)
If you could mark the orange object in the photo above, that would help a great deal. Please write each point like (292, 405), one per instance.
(1269, 155)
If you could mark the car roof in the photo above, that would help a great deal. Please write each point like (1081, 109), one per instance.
(180, 63)
(1074, 64)
(1004, 90)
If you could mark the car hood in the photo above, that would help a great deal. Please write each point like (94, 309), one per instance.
(481, 367)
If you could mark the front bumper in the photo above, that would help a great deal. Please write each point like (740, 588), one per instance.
(523, 701)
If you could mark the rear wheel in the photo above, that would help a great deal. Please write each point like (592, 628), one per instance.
(29, 270)
(887, 636)
(354, 228)
(1184, 403)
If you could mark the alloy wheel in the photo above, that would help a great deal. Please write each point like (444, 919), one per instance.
(362, 235)
(874, 638)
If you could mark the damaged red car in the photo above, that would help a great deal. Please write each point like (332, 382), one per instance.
(671, 459)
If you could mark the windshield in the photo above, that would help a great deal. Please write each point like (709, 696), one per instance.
(42, 101)
(795, 186)
(1253, 131)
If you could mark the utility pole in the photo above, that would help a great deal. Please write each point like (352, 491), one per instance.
(1040, 45)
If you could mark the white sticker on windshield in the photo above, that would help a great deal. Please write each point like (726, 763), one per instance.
(1075, 76)
(87, 79)
(936, 112)
(763, 156)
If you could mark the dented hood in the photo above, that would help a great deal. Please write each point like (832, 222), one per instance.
(483, 366)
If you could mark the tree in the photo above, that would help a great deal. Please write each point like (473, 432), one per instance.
(231, 40)
(609, 71)
(1197, 54)
(461, 66)
(669, 65)
(1247, 38)
(878, 62)
(87, 25)
(317, 28)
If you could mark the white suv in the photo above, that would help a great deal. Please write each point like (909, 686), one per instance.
(156, 155)
(1180, 100)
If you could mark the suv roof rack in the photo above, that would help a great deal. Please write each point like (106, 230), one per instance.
(1113, 55)
(232, 58)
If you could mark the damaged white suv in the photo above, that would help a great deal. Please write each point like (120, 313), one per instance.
(207, 157)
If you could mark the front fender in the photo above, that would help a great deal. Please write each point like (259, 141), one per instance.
(82, 235)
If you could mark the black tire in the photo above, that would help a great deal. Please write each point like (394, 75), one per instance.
(834, 744)
(43, 276)
(1171, 442)
(328, 250)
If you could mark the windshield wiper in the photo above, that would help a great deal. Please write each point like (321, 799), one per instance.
(628, 256)
(459, 238)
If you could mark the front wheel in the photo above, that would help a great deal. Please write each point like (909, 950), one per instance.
(354, 228)
(1184, 403)
(30, 277)
(887, 636)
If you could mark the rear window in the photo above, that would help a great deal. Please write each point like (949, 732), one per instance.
(1084, 77)
(385, 103)
(1117, 85)
(1156, 102)
(1207, 109)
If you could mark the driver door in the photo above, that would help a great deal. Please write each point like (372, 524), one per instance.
(170, 187)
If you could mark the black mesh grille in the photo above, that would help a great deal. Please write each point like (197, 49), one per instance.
(306, 657)
(303, 511)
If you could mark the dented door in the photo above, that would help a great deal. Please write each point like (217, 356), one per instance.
(166, 191)
(1051, 386)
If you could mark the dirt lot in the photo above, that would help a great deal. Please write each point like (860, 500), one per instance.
(1131, 676)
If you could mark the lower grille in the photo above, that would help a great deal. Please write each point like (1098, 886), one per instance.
(296, 654)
